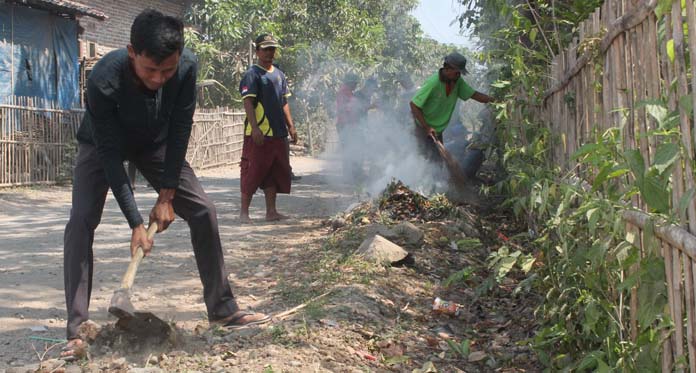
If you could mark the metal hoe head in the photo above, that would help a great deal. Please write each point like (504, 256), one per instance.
(121, 305)
(144, 324)
(139, 323)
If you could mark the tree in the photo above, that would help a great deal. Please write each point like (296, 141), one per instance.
(322, 40)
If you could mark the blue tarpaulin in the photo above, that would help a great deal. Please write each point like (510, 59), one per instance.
(38, 55)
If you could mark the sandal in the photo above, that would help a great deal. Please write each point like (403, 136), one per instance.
(76, 349)
(243, 319)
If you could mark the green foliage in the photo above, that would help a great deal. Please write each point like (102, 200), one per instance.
(503, 261)
(587, 273)
(589, 267)
(439, 206)
(461, 349)
(541, 25)
(220, 38)
(321, 41)
(459, 277)
(467, 244)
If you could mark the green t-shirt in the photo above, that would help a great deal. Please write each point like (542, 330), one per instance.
(436, 105)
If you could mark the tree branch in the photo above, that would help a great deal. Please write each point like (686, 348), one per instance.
(541, 30)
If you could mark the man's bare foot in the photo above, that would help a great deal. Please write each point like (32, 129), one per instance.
(245, 219)
(275, 217)
(76, 349)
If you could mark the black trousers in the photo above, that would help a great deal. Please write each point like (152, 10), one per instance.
(190, 203)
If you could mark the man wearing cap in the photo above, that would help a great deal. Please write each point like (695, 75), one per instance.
(265, 162)
(433, 104)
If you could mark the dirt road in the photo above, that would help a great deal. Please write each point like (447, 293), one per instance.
(32, 221)
(356, 316)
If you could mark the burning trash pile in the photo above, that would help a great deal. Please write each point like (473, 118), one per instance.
(401, 203)
(397, 203)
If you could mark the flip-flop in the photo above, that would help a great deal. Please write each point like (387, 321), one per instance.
(74, 350)
(234, 322)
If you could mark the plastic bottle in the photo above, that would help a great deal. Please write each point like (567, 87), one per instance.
(445, 307)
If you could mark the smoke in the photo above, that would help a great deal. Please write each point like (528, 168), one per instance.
(404, 160)
(381, 147)
(378, 143)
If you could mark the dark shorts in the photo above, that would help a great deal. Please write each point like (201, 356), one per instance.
(265, 166)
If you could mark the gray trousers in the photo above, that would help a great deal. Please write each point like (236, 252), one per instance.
(190, 203)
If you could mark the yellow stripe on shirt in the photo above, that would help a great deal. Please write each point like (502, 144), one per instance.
(264, 124)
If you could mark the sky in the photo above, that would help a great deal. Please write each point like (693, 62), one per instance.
(435, 17)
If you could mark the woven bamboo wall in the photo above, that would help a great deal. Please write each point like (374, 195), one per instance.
(37, 141)
(34, 139)
(216, 138)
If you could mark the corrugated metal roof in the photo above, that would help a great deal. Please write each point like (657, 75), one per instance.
(62, 6)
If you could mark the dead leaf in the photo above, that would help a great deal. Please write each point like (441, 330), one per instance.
(477, 356)
(330, 323)
(396, 360)
(428, 367)
(431, 341)
(393, 350)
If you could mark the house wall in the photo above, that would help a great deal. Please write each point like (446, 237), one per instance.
(114, 32)
(38, 56)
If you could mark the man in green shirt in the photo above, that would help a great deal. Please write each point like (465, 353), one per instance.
(433, 104)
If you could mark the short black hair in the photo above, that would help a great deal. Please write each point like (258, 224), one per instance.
(157, 35)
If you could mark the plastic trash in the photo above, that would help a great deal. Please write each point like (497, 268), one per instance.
(446, 307)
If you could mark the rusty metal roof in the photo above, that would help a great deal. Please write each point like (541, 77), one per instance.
(62, 6)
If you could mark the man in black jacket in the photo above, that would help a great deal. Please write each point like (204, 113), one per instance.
(140, 105)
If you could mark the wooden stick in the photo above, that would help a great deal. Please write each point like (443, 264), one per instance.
(678, 311)
(283, 315)
(667, 349)
(690, 310)
(676, 236)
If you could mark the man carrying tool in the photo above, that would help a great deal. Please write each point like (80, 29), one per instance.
(433, 104)
(265, 160)
(140, 105)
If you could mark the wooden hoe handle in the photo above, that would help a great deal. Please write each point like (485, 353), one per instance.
(129, 277)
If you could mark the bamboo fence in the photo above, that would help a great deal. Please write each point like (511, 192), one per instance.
(34, 139)
(37, 141)
(619, 46)
(216, 138)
